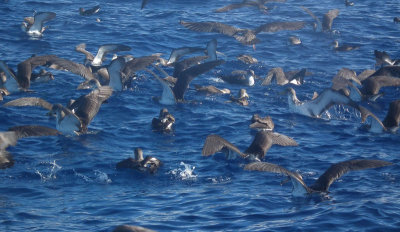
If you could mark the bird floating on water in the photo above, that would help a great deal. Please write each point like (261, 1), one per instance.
(90, 11)
(150, 163)
(164, 122)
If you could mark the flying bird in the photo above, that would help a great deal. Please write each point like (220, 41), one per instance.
(322, 184)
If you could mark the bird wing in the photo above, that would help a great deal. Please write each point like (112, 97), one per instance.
(29, 101)
(139, 63)
(211, 27)
(297, 179)
(40, 18)
(179, 52)
(167, 96)
(33, 130)
(11, 83)
(186, 63)
(312, 15)
(82, 49)
(279, 26)
(337, 170)
(215, 143)
(328, 19)
(68, 65)
(186, 76)
(26, 67)
(107, 48)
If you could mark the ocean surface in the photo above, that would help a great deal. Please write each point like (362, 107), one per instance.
(70, 183)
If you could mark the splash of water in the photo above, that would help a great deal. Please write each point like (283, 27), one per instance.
(51, 174)
(185, 173)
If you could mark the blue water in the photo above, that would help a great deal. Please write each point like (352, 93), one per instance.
(71, 183)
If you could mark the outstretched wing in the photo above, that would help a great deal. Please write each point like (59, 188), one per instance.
(215, 143)
(328, 19)
(107, 48)
(29, 101)
(215, 27)
(185, 77)
(40, 19)
(337, 170)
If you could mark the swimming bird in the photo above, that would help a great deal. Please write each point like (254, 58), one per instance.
(260, 123)
(262, 142)
(33, 26)
(247, 59)
(396, 20)
(150, 164)
(344, 47)
(172, 95)
(322, 184)
(130, 228)
(75, 118)
(327, 20)
(10, 138)
(325, 100)
(244, 3)
(210, 89)
(240, 77)
(164, 121)
(242, 98)
(283, 78)
(90, 11)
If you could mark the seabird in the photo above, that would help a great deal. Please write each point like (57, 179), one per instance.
(322, 184)
(164, 121)
(283, 78)
(140, 163)
(240, 77)
(327, 19)
(176, 93)
(325, 100)
(344, 47)
(242, 99)
(10, 138)
(392, 70)
(88, 12)
(129, 228)
(75, 118)
(210, 89)
(256, 151)
(396, 20)
(279, 26)
(247, 59)
(33, 26)
(259, 123)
